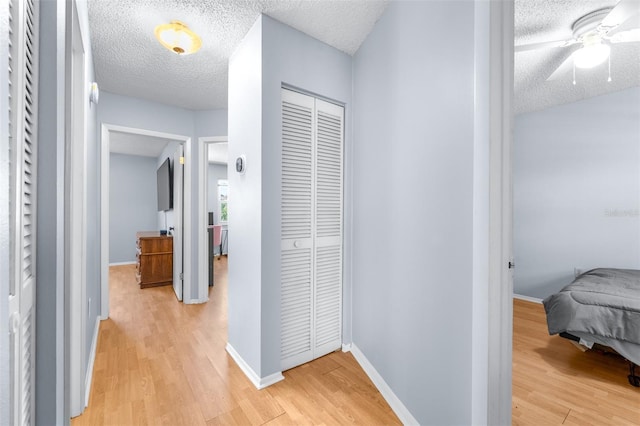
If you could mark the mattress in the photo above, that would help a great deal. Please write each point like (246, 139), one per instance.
(601, 306)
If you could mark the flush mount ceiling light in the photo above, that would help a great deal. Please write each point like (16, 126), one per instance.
(178, 38)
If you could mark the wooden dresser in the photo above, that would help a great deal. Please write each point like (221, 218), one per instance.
(154, 255)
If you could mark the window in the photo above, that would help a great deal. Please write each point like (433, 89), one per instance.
(223, 194)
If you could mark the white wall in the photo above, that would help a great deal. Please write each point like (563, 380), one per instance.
(272, 54)
(245, 224)
(412, 254)
(576, 194)
(133, 203)
(50, 407)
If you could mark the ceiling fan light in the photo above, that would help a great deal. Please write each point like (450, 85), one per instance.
(178, 38)
(591, 55)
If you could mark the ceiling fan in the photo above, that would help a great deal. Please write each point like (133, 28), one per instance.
(593, 34)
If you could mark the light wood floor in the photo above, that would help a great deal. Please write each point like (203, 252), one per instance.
(161, 362)
(555, 383)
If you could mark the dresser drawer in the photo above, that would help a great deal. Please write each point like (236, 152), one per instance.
(155, 245)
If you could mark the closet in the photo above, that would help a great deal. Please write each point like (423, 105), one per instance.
(311, 246)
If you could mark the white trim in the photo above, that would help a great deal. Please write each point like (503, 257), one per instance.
(104, 221)
(479, 377)
(394, 402)
(76, 126)
(105, 129)
(527, 298)
(500, 308)
(122, 263)
(258, 382)
(196, 301)
(203, 248)
(346, 347)
(92, 359)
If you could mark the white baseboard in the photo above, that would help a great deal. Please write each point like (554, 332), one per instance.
(258, 382)
(92, 358)
(122, 263)
(195, 301)
(346, 347)
(394, 402)
(527, 298)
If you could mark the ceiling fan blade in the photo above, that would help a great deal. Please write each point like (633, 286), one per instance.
(565, 67)
(624, 10)
(544, 45)
(626, 36)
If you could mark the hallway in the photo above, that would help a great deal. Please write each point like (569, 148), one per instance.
(161, 362)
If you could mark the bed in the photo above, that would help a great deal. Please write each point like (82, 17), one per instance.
(601, 306)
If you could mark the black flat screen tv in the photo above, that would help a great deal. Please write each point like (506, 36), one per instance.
(165, 187)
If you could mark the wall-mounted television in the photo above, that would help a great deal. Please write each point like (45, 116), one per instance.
(165, 186)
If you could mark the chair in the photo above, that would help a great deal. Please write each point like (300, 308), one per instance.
(217, 238)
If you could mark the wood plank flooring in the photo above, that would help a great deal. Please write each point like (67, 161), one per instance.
(555, 383)
(162, 362)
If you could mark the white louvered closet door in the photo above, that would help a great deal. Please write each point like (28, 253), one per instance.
(311, 258)
(23, 34)
(328, 228)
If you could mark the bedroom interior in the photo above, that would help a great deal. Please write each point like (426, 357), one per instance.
(442, 126)
(576, 185)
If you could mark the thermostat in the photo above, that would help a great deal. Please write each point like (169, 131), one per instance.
(241, 164)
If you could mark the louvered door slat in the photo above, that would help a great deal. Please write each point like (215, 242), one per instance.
(329, 170)
(296, 305)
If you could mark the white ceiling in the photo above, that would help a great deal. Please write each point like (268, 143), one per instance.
(550, 20)
(133, 144)
(130, 61)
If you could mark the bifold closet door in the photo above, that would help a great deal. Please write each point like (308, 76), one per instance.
(311, 257)
(22, 33)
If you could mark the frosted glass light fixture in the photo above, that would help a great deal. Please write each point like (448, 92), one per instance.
(591, 54)
(178, 38)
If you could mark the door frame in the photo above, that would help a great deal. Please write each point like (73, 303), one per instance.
(203, 264)
(75, 217)
(496, 96)
(104, 209)
(178, 220)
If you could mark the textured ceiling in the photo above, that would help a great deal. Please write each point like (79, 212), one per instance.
(130, 61)
(550, 20)
(133, 144)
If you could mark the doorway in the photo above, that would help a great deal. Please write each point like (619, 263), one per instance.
(111, 133)
(213, 154)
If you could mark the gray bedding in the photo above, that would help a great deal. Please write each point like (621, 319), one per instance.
(602, 303)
